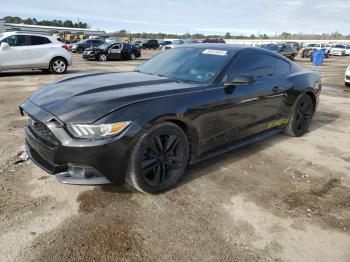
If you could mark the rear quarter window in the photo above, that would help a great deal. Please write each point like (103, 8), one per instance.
(39, 40)
(282, 67)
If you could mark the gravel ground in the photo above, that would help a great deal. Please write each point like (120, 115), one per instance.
(281, 199)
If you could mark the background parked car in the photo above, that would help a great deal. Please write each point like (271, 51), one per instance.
(151, 44)
(164, 43)
(116, 51)
(81, 46)
(347, 50)
(347, 76)
(211, 40)
(307, 51)
(295, 45)
(285, 50)
(339, 50)
(31, 51)
(175, 43)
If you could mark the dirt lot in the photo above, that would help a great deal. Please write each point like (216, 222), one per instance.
(282, 199)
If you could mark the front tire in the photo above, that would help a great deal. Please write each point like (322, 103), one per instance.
(301, 116)
(158, 159)
(58, 65)
(102, 57)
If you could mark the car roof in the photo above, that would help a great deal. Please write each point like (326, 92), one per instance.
(221, 46)
(234, 48)
(24, 33)
(7, 34)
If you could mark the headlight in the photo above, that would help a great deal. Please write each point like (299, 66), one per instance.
(98, 131)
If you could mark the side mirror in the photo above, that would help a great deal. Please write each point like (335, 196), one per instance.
(241, 80)
(4, 46)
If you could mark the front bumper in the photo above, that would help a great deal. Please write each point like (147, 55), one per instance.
(337, 53)
(91, 56)
(77, 161)
(347, 78)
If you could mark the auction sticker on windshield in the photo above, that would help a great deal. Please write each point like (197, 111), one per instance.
(215, 52)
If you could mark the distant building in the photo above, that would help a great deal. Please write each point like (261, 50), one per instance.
(50, 30)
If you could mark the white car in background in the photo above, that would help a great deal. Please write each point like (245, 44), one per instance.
(347, 50)
(175, 43)
(31, 51)
(339, 50)
(347, 76)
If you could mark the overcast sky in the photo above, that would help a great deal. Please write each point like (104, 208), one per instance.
(181, 16)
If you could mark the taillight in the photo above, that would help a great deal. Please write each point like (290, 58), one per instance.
(65, 47)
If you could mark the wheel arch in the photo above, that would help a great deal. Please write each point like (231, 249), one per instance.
(313, 97)
(190, 132)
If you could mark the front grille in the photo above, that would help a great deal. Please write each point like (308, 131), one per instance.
(42, 132)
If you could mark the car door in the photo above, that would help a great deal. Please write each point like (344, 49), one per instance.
(115, 52)
(246, 110)
(16, 55)
(126, 51)
(40, 51)
(87, 44)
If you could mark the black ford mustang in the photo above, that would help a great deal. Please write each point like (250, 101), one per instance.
(182, 106)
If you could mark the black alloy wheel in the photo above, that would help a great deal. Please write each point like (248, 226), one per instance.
(162, 159)
(301, 117)
(159, 159)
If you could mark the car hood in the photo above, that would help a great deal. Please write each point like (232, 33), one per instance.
(85, 98)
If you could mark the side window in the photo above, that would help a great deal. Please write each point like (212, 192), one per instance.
(115, 47)
(126, 46)
(38, 40)
(256, 65)
(16, 40)
(282, 67)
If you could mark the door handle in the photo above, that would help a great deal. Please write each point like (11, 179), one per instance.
(277, 89)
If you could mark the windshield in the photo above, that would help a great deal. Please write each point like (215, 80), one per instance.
(339, 46)
(195, 65)
(104, 46)
(312, 45)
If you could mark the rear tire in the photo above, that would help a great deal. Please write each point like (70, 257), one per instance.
(132, 56)
(301, 116)
(158, 159)
(58, 65)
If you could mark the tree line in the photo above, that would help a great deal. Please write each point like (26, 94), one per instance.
(34, 21)
(285, 36)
